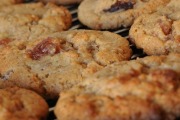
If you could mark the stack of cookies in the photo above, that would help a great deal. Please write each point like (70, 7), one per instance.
(90, 72)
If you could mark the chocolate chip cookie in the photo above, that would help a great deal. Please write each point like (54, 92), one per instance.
(142, 89)
(57, 62)
(21, 104)
(111, 14)
(158, 33)
(28, 21)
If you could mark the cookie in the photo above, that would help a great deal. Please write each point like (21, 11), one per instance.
(142, 89)
(57, 62)
(171, 10)
(111, 14)
(62, 2)
(29, 21)
(158, 33)
(10, 2)
(21, 104)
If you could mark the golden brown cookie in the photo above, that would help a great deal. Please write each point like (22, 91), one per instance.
(142, 89)
(158, 33)
(111, 14)
(29, 21)
(171, 10)
(21, 104)
(10, 2)
(57, 62)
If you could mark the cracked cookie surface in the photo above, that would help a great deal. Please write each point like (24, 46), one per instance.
(142, 89)
(28, 21)
(21, 104)
(57, 62)
(111, 14)
(158, 33)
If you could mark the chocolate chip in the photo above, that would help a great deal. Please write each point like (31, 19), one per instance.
(120, 5)
(29, 1)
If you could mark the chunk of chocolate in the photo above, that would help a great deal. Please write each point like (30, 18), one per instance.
(125, 5)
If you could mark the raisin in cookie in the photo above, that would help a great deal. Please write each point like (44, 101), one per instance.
(59, 61)
(111, 14)
(64, 2)
(21, 104)
(142, 89)
(28, 21)
(158, 33)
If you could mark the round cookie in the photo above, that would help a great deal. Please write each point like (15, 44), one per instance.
(142, 89)
(158, 33)
(62, 2)
(57, 62)
(111, 14)
(29, 21)
(21, 104)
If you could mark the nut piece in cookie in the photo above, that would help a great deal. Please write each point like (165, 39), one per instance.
(21, 104)
(112, 14)
(142, 89)
(56, 62)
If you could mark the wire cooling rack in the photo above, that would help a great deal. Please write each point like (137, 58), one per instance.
(77, 25)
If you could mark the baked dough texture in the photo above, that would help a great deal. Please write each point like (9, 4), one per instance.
(10, 2)
(21, 104)
(56, 62)
(62, 2)
(112, 14)
(29, 21)
(158, 33)
(143, 89)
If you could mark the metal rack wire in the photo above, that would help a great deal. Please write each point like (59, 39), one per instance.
(77, 25)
